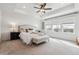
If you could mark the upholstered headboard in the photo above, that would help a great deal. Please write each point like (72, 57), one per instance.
(20, 27)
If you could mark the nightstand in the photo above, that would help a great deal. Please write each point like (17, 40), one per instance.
(14, 35)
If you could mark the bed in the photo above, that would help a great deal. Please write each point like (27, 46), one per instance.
(33, 36)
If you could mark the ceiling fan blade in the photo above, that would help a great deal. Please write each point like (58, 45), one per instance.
(38, 11)
(37, 7)
(44, 4)
(42, 8)
(47, 8)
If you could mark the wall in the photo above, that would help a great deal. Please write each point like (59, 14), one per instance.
(64, 19)
(77, 25)
(19, 19)
(77, 21)
(0, 25)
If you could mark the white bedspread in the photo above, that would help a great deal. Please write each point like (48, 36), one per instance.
(32, 37)
(26, 37)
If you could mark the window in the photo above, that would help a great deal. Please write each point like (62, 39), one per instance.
(63, 27)
(68, 28)
(48, 27)
(56, 28)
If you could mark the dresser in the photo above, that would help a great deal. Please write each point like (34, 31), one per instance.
(14, 35)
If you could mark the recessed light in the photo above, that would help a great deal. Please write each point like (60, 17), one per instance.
(24, 6)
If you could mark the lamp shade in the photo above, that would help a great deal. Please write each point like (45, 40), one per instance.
(13, 27)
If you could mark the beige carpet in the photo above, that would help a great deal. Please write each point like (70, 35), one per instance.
(53, 47)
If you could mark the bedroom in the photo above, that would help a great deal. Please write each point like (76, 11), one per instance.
(15, 15)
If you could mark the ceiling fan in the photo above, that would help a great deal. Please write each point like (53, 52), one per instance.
(42, 8)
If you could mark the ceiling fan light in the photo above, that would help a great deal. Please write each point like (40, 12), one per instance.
(42, 10)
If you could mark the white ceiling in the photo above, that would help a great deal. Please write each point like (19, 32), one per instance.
(27, 8)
